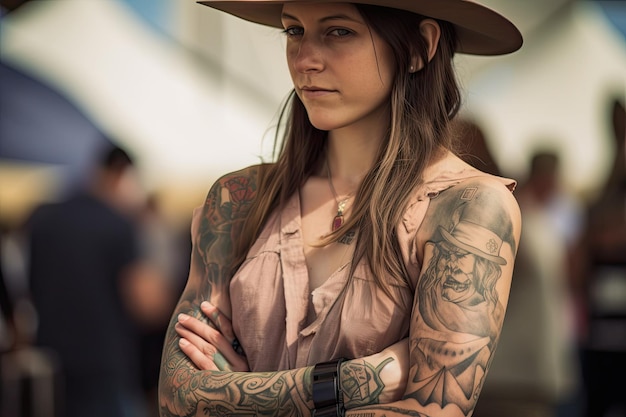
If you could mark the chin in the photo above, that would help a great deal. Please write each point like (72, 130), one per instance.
(326, 120)
(458, 297)
(322, 124)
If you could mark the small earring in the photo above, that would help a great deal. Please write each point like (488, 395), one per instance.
(411, 69)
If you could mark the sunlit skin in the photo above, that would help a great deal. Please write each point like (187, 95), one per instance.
(341, 70)
(343, 73)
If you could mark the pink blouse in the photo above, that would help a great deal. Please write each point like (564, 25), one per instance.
(270, 292)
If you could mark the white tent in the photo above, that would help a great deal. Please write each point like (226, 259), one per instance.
(202, 105)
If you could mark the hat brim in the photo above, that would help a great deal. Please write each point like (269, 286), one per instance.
(481, 30)
(471, 249)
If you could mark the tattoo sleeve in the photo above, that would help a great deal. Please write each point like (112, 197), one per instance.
(461, 296)
(361, 382)
(469, 247)
(183, 389)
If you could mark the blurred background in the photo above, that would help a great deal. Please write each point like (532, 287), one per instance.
(192, 94)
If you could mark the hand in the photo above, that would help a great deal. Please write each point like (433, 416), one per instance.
(210, 348)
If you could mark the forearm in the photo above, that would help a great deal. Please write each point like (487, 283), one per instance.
(186, 391)
(375, 386)
(180, 390)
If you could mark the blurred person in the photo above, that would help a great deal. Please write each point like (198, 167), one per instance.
(604, 285)
(536, 370)
(7, 325)
(164, 256)
(91, 289)
(15, 296)
(367, 240)
(28, 374)
(8, 330)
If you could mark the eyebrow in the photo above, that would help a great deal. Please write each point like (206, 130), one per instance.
(326, 18)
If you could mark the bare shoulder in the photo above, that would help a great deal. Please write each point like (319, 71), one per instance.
(491, 195)
(237, 181)
(232, 193)
(480, 206)
(250, 173)
(226, 206)
(215, 227)
(469, 239)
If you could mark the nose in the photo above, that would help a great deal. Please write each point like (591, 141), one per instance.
(453, 261)
(307, 56)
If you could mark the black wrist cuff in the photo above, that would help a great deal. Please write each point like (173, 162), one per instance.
(327, 395)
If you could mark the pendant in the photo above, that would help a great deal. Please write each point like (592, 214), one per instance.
(338, 220)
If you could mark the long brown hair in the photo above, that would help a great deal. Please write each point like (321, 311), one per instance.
(422, 105)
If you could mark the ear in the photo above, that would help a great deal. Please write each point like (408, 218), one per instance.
(430, 31)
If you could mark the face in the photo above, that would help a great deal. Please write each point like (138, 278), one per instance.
(341, 70)
(130, 195)
(458, 275)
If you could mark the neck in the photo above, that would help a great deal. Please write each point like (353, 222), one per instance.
(349, 158)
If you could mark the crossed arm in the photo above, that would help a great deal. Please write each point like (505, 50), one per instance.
(221, 386)
(437, 372)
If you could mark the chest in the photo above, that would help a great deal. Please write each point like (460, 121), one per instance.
(318, 210)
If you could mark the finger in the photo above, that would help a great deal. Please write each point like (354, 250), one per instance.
(224, 325)
(200, 333)
(200, 328)
(202, 336)
(198, 342)
(222, 322)
(221, 362)
(211, 357)
(201, 360)
(211, 312)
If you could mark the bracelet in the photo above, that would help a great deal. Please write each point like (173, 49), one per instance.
(327, 395)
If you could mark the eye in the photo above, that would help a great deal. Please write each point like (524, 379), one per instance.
(292, 31)
(340, 32)
(462, 255)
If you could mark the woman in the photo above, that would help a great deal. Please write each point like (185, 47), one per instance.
(367, 270)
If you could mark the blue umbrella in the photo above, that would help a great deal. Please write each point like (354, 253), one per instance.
(39, 124)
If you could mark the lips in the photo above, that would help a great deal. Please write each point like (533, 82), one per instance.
(314, 91)
(313, 88)
(455, 285)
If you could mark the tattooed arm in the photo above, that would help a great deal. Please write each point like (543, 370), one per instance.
(455, 324)
(468, 249)
(379, 378)
(225, 208)
(186, 388)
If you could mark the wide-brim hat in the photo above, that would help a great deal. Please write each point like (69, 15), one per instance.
(475, 239)
(481, 30)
